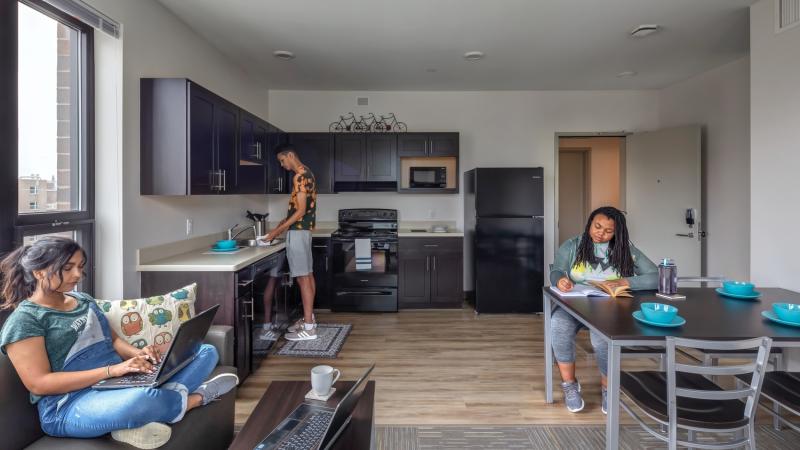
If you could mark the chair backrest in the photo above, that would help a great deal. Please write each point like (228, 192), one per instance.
(756, 368)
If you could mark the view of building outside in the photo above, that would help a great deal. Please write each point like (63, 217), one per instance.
(47, 96)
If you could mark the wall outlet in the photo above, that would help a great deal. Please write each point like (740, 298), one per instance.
(189, 227)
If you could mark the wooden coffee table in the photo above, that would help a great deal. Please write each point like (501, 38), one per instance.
(283, 396)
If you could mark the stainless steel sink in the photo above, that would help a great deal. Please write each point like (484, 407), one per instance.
(254, 243)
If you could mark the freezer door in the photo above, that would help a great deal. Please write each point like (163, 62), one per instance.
(509, 265)
(509, 192)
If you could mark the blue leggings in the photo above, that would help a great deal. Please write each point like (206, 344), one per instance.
(563, 328)
(90, 413)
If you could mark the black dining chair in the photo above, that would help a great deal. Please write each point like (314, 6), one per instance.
(684, 399)
(782, 391)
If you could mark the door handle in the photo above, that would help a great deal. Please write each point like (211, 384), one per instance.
(326, 263)
(224, 180)
(427, 263)
(434, 263)
(689, 234)
(431, 245)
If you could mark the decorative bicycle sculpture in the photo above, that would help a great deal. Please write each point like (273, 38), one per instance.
(368, 123)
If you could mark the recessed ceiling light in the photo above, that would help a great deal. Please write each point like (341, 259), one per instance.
(283, 54)
(474, 56)
(644, 30)
(627, 73)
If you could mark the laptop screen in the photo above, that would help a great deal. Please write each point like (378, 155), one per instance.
(187, 342)
(345, 409)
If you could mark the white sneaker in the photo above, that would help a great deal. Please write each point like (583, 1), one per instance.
(302, 335)
(268, 334)
(151, 435)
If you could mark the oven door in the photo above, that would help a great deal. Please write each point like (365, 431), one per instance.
(379, 270)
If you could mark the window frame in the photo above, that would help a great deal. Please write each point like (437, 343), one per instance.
(86, 121)
(14, 226)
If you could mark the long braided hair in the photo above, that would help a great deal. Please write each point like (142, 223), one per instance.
(619, 246)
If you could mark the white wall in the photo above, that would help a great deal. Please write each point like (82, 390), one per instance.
(775, 154)
(498, 128)
(719, 100)
(156, 44)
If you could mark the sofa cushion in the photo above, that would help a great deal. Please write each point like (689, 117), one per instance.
(19, 419)
(150, 320)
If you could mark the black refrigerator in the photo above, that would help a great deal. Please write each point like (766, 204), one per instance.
(504, 238)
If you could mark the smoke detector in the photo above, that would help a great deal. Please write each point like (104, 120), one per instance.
(285, 55)
(474, 56)
(644, 30)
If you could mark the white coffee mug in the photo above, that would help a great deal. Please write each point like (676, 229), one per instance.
(322, 378)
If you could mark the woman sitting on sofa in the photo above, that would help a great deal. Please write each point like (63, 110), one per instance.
(603, 253)
(61, 344)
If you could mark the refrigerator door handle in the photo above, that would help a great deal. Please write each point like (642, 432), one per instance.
(537, 217)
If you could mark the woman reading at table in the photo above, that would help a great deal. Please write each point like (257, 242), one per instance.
(604, 254)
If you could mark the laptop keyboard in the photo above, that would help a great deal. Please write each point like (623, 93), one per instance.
(142, 378)
(308, 434)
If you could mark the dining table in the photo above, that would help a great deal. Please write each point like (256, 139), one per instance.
(708, 314)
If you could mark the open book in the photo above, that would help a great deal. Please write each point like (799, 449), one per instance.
(596, 289)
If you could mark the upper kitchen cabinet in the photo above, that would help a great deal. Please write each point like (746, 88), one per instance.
(365, 162)
(251, 170)
(194, 142)
(427, 144)
(315, 150)
(277, 175)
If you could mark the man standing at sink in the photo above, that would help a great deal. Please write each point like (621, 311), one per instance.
(298, 224)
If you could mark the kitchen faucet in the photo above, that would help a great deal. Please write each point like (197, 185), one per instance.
(233, 236)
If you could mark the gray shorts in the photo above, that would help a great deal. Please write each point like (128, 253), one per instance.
(298, 252)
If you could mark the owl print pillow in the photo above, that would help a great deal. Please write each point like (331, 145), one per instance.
(150, 320)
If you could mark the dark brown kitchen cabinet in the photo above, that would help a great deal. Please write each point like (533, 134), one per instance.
(350, 157)
(251, 170)
(244, 336)
(321, 254)
(277, 175)
(430, 272)
(315, 150)
(381, 157)
(427, 144)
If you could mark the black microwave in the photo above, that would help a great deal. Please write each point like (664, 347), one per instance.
(428, 177)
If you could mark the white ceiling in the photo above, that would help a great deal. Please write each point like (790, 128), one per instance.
(418, 44)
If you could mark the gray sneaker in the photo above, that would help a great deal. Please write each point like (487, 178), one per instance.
(572, 396)
(604, 404)
(217, 387)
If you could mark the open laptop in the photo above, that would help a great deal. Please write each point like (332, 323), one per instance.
(312, 426)
(181, 352)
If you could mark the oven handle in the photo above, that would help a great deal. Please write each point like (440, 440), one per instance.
(339, 294)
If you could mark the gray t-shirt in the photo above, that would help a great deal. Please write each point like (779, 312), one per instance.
(60, 329)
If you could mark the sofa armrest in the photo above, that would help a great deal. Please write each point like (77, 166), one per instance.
(221, 337)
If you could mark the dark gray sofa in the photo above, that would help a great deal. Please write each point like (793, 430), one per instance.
(207, 427)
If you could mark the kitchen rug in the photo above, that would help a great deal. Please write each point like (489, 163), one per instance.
(329, 341)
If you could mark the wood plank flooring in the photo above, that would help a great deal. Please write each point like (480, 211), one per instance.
(444, 367)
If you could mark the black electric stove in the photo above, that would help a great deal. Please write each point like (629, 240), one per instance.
(365, 282)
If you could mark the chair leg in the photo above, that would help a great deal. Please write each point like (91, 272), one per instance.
(751, 432)
(691, 436)
(776, 422)
(662, 363)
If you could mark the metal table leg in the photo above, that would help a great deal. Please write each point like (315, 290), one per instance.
(548, 351)
(612, 421)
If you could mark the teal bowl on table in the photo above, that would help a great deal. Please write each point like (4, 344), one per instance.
(738, 287)
(658, 312)
(789, 312)
(225, 244)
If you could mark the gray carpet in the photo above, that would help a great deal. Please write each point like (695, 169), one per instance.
(540, 437)
(329, 341)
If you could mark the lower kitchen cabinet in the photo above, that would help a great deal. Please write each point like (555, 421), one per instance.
(233, 291)
(321, 253)
(431, 272)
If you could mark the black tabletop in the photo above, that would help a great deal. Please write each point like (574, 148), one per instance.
(708, 315)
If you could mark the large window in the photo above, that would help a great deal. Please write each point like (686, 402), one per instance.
(54, 113)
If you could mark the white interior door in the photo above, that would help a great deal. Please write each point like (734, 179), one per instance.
(662, 181)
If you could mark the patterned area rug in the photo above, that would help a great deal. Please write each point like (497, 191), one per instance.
(541, 437)
(329, 341)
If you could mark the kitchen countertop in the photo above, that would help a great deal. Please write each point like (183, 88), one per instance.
(199, 261)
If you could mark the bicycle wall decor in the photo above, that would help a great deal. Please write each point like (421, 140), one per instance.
(367, 124)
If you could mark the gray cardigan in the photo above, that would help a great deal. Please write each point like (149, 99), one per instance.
(645, 271)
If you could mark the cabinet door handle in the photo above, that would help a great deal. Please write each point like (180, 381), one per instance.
(430, 147)
(434, 263)
(245, 283)
(326, 263)
(320, 246)
(431, 245)
(211, 179)
(224, 183)
(252, 309)
(426, 147)
(427, 264)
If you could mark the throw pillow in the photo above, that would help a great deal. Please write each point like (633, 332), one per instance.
(150, 320)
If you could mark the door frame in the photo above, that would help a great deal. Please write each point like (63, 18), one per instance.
(558, 135)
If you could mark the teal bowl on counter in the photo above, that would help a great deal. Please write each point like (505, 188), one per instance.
(659, 312)
(789, 312)
(225, 244)
(738, 287)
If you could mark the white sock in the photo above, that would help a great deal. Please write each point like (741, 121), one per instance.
(309, 326)
(267, 326)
